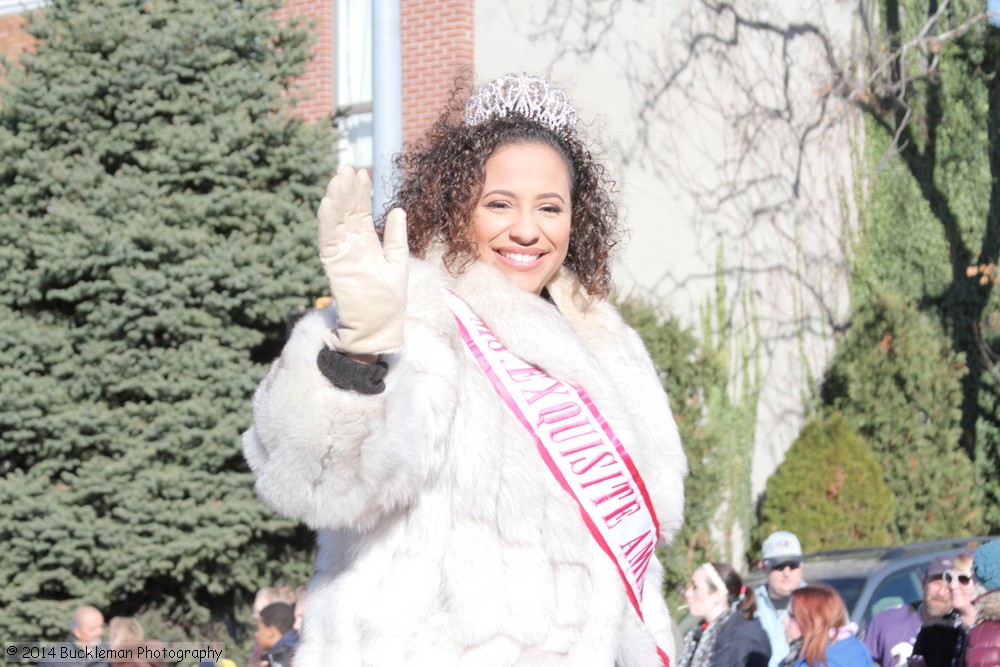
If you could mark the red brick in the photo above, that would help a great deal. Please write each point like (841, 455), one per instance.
(13, 40)
(437, 44)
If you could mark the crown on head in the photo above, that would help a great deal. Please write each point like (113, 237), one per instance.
(523, 95)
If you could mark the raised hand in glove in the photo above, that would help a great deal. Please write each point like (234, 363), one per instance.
(367, 278)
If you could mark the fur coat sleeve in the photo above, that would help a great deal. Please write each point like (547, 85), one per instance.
(334, 458)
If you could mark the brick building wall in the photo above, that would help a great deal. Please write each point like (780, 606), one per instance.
(437, 40)
(436, 45)
(315, 88)
(13, 40)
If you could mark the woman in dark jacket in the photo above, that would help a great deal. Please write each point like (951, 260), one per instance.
(729, 635)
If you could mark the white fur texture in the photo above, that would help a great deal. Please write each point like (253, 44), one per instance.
(443, 538)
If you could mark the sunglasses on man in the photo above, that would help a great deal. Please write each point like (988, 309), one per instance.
(791, 564)
(963, 578)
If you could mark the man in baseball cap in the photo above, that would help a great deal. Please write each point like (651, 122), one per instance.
(781, 557)
(891, 634)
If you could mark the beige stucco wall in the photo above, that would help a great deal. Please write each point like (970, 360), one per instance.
(719, 130)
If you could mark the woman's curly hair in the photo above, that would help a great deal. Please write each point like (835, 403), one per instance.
(442, 177)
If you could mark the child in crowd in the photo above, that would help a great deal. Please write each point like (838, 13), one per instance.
(276, 635)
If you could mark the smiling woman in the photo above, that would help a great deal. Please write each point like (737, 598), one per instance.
(481, 441)
(443, 177)
(522, 221)
(961, 583)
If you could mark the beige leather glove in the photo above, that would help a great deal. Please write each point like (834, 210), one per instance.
(367, 279)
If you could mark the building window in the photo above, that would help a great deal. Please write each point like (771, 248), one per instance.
(354, 82)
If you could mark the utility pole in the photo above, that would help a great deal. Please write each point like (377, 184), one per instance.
(387, 99)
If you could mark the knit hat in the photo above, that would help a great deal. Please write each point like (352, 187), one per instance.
(986, 565)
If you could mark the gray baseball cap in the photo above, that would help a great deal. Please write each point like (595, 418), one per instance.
(781, 546)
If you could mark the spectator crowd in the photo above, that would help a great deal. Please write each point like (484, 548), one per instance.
(276, 613)
(789, 622)
(784, 622)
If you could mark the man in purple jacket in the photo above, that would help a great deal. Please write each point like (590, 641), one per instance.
(891, 634)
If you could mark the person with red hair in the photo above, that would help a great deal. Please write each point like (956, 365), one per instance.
(817, 630)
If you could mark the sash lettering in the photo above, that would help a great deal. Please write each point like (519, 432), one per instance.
(580, 449)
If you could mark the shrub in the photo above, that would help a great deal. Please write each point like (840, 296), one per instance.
(898, 383)
(829, 490)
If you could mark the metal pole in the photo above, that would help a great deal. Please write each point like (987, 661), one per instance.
(387, 98)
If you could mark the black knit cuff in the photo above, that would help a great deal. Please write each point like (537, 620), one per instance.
(346, 373)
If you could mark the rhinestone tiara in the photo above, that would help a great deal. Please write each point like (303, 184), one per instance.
(523, 95)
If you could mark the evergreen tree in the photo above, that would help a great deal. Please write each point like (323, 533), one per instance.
(899, 385)
(986, 455)
(716, 428)
(929, 202)
(686, 373)
(156, 226)
(829, 490)
(731, 418)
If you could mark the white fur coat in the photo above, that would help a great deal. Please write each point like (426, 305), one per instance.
(444, 540)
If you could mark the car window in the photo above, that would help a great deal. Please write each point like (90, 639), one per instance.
(902, 587)
(848, 587)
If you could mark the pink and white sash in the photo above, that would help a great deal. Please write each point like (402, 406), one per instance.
(579, 448)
